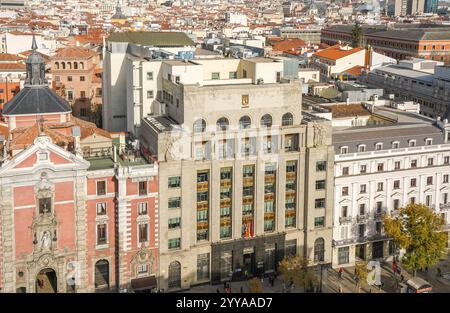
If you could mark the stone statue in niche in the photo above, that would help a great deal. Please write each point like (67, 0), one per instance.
(46, 240)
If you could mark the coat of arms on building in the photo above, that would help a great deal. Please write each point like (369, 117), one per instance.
(245, 100)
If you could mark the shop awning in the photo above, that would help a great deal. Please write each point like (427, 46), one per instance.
(143, 283)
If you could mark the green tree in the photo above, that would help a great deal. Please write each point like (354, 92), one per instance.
(254, 285)
(361, 273)
(297, 269)
(417, 230)
(357, 36)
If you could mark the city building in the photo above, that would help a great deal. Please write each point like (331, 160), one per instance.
(401, 42)
(128, 55)
(403, 158)
(421, 81)
(244, 177)
(12, 76)
(76, 74)
(79, 206)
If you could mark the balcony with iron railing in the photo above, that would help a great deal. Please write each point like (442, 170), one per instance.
(224, 183)
(362, 217)
(378, 215)
(345, 219)
(291, 175)
(202, 205)
(202, 186)
(248, 181)
(444, 206)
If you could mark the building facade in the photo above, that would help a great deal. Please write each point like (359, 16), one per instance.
(379, 170)
(79, 208)
(244, 178)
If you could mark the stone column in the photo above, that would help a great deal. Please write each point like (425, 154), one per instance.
(81, 233)
(7, 236)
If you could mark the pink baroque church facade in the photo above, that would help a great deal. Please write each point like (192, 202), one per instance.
(78, 205)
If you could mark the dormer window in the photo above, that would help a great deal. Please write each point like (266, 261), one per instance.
(361, 148)
(344, 150)
(428, 142)
(411, 143)
(378, 146)
(395, 145)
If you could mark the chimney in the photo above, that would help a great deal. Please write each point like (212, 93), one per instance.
(76, 133)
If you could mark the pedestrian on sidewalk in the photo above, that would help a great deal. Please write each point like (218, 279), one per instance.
(283, 288)
(218, 291)
(340, 272)
(340, 289)
(242, 289)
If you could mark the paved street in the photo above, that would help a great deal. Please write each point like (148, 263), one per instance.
(331, 281)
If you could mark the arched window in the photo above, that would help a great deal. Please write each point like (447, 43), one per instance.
(69, 65)
(199, 126)
(175, 275)
(75, 65)
(222, 124)
(266, 120)
(245, 122)
(63, 65)
(101, 274)
(287, 119)
(81, 65)
(319, 250)
(57, 65)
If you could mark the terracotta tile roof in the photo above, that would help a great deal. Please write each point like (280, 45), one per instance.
(4, 130)
(7, 57)
(12, 67)
(23, 137)
(288, 45)
(88, 128)
(74, 53)
(355, 70)
(336, 52)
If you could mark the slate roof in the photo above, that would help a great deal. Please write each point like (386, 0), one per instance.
(35, 100)
(163, 39)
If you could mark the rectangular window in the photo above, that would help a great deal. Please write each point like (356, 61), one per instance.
(101, 234)
(320, 203)
(363, 169)
(380, 187)
(380, 167)
(143, 232)
(150, 94)
(215, 75)
(446, 160)
(413, 163)
(174, 222)
(226, 264)
(319, 221)
(362, 209)
(69, 78)
(343, 255)
(82, 94)
(412, 200)
(142, 188)
(445, 179)
(101, 208)
(413, 182)
(445, 198)
(344, 211)
(149, 75)
(82, 79)
(321, 166)
(174, 203)
(278, 77)
(232, 75)
(362, 188)
(69, 95)
(174, 243)
(378, 227)
(379, 206)
(142, 208)
(428, 200)
(345, 171)
(396, 184)
(174, 181)
(101, 188)
(397, 165)
(396, 204)
(142, 269)
(290, 248)
(430, 161)
(430, 180)
(345, 191)
(361, 230)
(320, 184)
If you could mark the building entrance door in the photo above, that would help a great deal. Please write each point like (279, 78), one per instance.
(46, 281)
(249, 263)
(361, 252)
(377, 250)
